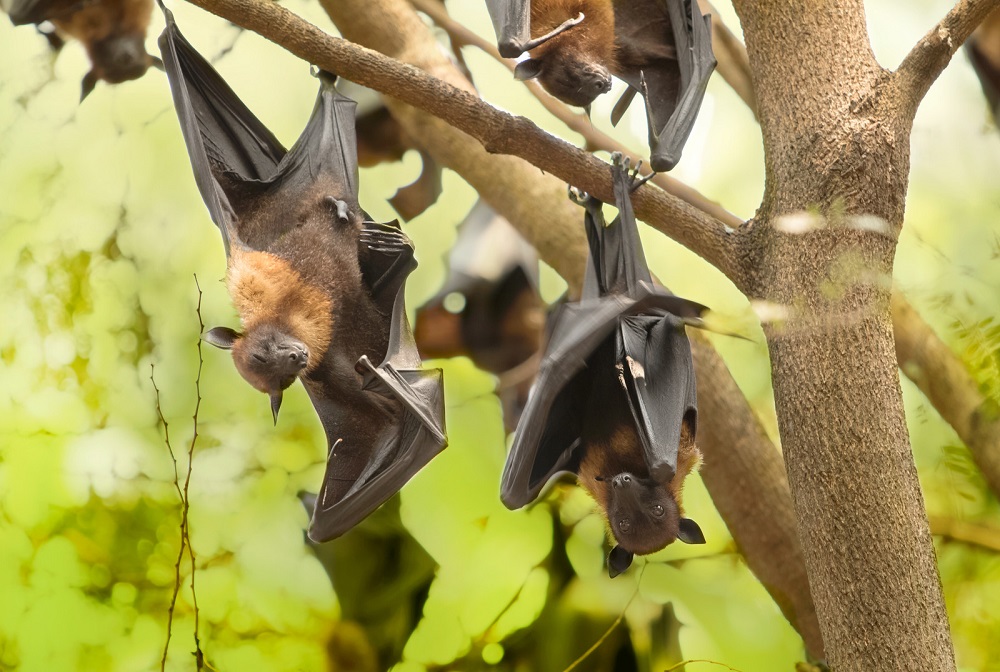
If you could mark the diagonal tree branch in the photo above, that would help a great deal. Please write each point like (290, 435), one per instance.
(933, 52)
(941, 376)
(498, 131)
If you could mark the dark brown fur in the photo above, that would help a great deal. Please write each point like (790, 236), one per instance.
(611, 447)
(616, 36)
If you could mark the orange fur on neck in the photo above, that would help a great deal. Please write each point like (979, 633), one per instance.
(266, 289)
(591, 41)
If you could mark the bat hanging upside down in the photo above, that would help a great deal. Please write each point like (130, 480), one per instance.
(660, 48)
(112, 31)
(318, 285)
(614, 402)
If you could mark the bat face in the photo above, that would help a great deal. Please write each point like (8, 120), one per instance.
(269, 359)
(642, 514)
(119, 58)
(567, 77)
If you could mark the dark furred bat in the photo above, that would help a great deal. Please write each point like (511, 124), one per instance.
(983, 49)
(318, 285)
(501, 321)
(614, 402)
(660, 48)
(112, 31)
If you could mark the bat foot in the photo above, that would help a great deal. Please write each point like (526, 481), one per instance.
(384, 238)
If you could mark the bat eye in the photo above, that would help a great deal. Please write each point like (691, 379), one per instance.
(624, 525)
(657, 510)
(259, 358)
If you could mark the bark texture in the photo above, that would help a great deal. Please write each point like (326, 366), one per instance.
(836, 141)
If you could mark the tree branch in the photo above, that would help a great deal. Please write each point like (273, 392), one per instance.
(933, 52)
(941, 376)
(498, 131)
(733, 63)
(986, 538)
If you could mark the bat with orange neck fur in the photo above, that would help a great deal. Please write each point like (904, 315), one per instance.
(661, 48)
(317, 283)
(614, 401)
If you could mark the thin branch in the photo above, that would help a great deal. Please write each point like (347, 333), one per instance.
(498, 131)
(980, 536)
(577, 122)
(733, 63)
(933, 52)
(941, 376)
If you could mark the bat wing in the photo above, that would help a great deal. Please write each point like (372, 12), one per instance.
(239, 165)
(671, 70)
(654, 356)
(25, 12)
(988, 74)
(512, 24)
(227, 144)
(619, 301)
(407, 405)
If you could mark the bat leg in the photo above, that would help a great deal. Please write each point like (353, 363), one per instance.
(560, 29)
(386, 258)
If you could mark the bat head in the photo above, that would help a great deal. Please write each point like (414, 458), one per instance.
(571, 80)
(265, 356)
(644, 517)
(116, 59)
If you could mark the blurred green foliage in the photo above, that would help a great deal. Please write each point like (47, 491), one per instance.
(101, 233)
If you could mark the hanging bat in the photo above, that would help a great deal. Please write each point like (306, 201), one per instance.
(614, 402)
(317, 284)
(983, 49)
(502, 318)
(660, 48)
(112, 31)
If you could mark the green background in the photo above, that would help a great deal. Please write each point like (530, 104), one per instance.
(101, 234)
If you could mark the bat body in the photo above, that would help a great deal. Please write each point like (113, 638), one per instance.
(501, 321)
(318, 285)
(614, 402)
(660, 48)
(983, 49)
(112, 31)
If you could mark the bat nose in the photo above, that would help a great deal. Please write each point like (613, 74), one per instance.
(298, 356)
(621, 481)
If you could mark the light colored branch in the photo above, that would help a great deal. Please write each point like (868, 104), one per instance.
(933, 52)
(983, 537)
(941, 376)
(498, 131)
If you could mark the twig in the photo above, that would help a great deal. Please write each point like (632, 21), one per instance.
(182, 493)
(685, 663)
(933, 52)
(611, 628)
(987, 538)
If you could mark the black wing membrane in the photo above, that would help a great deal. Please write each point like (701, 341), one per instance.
(673, 80)
(238, 163)
(360, 478)
(512, 24)
(653, 357)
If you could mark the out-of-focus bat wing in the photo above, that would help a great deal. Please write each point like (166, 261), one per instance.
(26, 12)
(359, 477)
(669, 61)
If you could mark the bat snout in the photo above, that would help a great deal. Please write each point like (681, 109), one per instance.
(120, 58)
(623, 481)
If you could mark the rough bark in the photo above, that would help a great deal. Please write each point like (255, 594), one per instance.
(835, 141)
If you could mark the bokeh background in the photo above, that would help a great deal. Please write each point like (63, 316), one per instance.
(102, 232)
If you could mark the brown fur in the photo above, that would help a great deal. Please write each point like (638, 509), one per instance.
(265, 288)
(99, 20)
(593, 41)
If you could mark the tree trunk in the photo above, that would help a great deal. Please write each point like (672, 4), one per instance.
(834, 144)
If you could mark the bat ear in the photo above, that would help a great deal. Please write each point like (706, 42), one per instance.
(528, 69)
(690, 533)
(221, 337)
(276, 406)
(156, 62)
(618, 561)
(89, 82)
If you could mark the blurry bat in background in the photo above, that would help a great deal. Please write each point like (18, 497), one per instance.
(318, 285)
(615, 400)
(381, 139)
(983, 49)
(501, 320)
(112, 31)
(660, 48)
